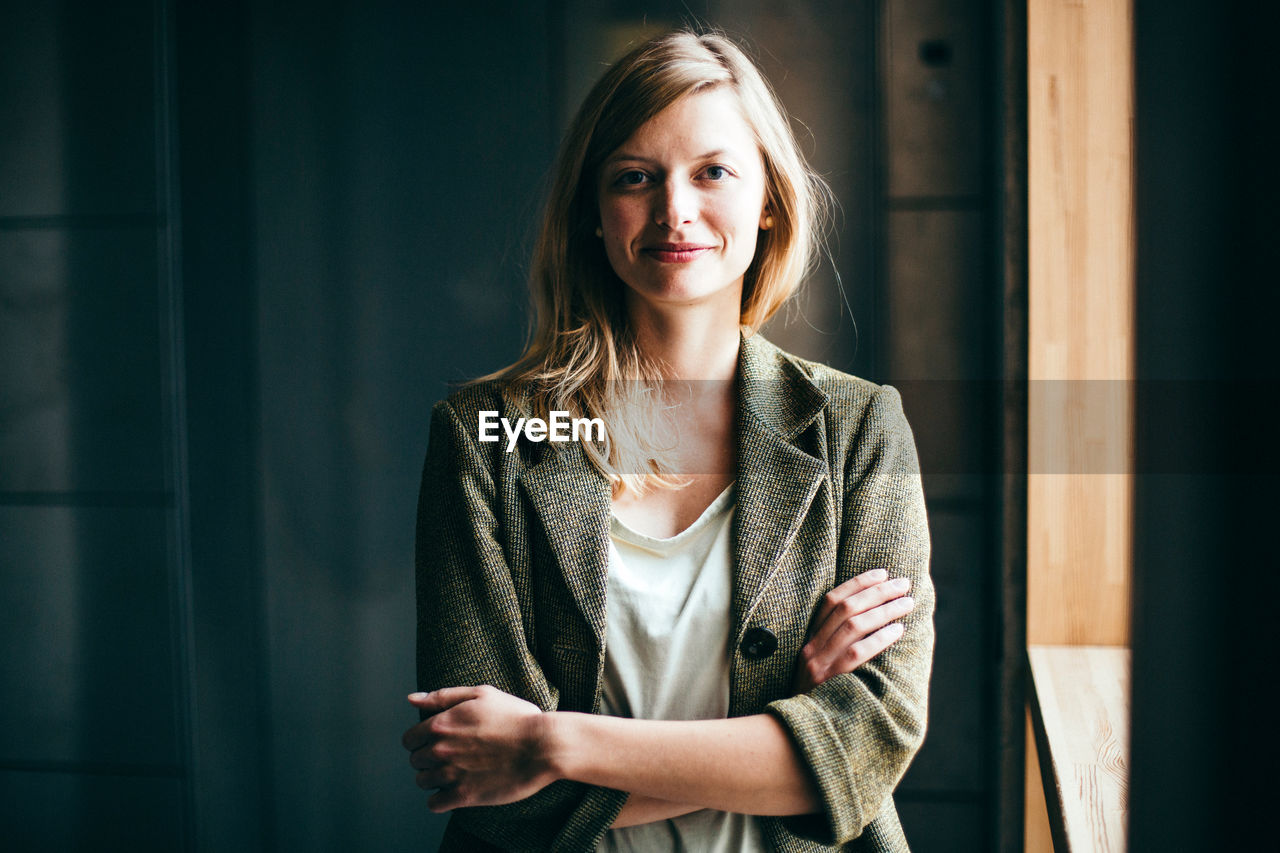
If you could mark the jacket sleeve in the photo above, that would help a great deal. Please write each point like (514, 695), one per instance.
(859, 731)
(471, 631)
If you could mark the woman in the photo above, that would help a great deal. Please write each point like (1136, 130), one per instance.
(693, 631)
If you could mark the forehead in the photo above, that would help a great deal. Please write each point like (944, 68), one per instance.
(694, 125)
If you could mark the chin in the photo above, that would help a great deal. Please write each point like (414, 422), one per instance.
(680, 288)
(676, 297)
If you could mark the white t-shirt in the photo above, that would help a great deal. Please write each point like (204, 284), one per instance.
(667, 658)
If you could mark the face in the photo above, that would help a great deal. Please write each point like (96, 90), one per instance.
(682, 203)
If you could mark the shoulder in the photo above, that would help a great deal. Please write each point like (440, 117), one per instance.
(468, 401)
(852, 402)
(458, 422)
(485, 398)
(845, 391)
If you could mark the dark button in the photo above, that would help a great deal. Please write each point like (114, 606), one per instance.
(759, 643)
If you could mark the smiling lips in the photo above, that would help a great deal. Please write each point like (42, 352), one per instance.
(676, 253)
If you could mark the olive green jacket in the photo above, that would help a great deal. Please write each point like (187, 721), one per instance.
(512, 562)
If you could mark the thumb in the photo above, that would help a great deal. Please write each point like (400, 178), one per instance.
(442, 699)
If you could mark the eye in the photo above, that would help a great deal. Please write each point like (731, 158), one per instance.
(716, 173)
(631, 178)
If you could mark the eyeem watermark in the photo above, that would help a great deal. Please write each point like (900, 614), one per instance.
(560, 427)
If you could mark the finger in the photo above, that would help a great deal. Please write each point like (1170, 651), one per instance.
(435, 777)
(868, 622)
(867, 648)
(854, 655)
(424, 759)
(431, 731)
(855, 584)
(444, 698)
(418, 736)
(853, 591)
(853, 606)
(445, 799)
(833, 654)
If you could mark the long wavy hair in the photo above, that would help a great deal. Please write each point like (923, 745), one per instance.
(581, 356)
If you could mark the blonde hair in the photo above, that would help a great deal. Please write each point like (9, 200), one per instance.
(580, 356)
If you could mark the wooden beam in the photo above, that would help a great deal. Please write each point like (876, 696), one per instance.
(1080, 396)
(1080, 717)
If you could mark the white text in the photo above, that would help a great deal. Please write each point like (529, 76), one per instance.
(560, 427)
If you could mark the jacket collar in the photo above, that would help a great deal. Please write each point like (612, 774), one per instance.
(776, 482)
(775, 389)
(776, 478)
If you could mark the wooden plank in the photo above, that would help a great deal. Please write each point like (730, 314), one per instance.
(1080, 716)
(1081, 297)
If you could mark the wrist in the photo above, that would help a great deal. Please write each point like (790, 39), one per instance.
(554, 742)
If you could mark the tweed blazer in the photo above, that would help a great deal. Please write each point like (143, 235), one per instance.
(512, 562)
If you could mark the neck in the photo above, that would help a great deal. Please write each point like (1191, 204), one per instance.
(691, 342)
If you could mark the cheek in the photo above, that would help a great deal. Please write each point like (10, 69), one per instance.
(745, 226)
(619, 216)
(748, 240)
(749, 226)
(615, 242)
(616, 258)
(622, 223)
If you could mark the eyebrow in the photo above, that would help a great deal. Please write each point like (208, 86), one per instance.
(623, 157)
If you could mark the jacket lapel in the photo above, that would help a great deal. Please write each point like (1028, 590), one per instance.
(776, 479)
(573, 502)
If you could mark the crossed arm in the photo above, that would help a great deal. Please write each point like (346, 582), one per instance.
(481, 746)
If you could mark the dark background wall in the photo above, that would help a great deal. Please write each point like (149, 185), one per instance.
(1205, 747)
(244, 246)
(95, 714)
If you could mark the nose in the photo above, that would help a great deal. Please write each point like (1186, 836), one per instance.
(676, 205)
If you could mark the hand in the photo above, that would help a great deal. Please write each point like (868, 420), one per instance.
(479, 746)
(854, 624)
